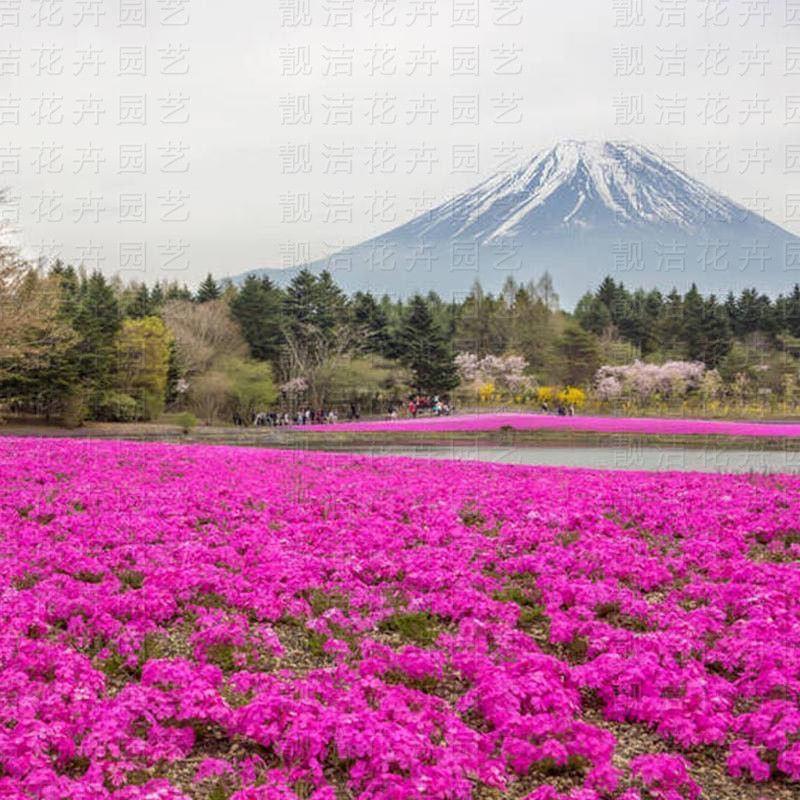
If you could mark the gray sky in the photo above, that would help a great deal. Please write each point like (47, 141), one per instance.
(286, 129)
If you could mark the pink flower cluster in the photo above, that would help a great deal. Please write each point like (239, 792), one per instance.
(644, 381)
(535, 422)
(180, 622)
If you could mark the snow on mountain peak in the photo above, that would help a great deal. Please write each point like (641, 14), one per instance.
(581, 210)
(582, 185)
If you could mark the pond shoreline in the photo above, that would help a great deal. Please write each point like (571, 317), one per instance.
(332, 439)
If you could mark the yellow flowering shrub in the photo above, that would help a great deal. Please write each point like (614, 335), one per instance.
(545, 393)
(572, 396)
(486, 392)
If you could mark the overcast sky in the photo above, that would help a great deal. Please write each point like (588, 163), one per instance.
(281, 130)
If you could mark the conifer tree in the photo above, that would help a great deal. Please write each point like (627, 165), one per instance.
(371, 319)
(97, 321)
(426, 351)
(258, 308)
(208, 290)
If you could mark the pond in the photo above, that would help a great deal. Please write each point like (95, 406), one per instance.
(622, 457)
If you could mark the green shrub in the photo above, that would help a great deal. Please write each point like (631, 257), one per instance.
(186, 421)
(252, 388)
(114, 406)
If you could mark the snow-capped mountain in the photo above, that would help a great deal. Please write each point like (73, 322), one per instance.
(580, 210)
(581, 185)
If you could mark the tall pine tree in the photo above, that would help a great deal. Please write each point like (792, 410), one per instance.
(97, 321)
(258, 308)
(693, 323)
(426, 351)
(372, 321)
(208, 290)
(580, 357)
(483, 324)
(717, 338)
(314, 305)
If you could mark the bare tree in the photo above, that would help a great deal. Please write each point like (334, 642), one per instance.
(211, 394)
(203, 334)
(310, 353)
(33, 330)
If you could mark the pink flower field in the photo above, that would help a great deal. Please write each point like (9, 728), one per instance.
(535, 422)
(200, 622)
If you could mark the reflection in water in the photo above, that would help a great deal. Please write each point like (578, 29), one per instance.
(618, 457)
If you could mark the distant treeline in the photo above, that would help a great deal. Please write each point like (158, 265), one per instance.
(79, 345)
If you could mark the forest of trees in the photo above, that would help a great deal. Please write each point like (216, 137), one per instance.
(78, 346)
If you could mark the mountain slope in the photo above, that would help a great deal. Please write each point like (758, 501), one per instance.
(582, 185)
(580, 210)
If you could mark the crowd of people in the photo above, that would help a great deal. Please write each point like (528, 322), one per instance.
(424, 404)
(303, 416)
(561, 409)
(418, 405)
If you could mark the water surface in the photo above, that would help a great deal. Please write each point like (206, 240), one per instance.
(623, 457)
